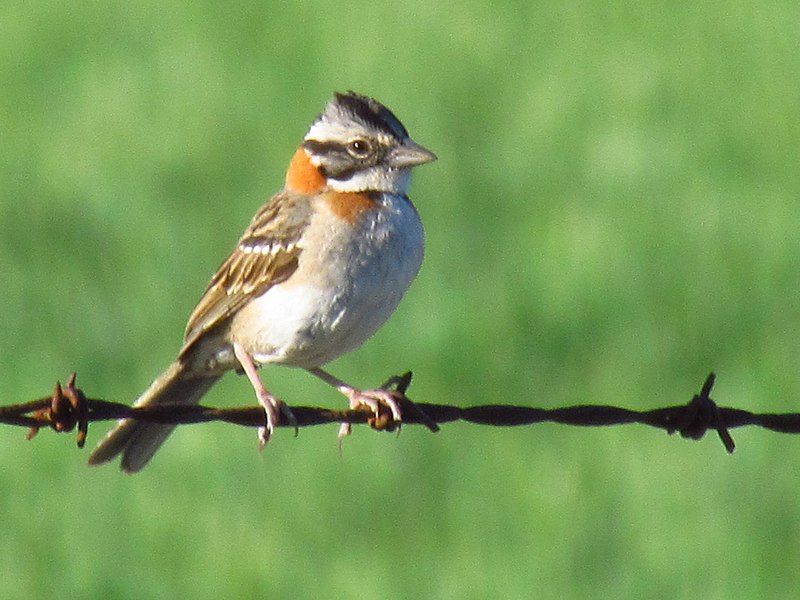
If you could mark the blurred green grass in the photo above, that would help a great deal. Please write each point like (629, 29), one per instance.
(613, 215)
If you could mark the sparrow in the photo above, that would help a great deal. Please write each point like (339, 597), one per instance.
(319, 269)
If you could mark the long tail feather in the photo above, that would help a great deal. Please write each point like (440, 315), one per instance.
(138, 441)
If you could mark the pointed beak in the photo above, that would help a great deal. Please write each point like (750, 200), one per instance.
(410, 154)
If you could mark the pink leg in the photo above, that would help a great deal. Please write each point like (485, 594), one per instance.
(272, 406)
(371, 398)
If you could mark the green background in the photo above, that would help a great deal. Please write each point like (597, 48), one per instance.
(614, 214)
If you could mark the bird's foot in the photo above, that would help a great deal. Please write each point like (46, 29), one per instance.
(275, 412)
(382, 402)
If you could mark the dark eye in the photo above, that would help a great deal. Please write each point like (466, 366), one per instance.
(358, 148)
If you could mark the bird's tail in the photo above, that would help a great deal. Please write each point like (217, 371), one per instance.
(137, 441)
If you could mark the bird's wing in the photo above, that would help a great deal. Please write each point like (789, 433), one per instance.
(266, 255)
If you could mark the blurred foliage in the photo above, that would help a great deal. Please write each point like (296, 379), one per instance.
(613, 215)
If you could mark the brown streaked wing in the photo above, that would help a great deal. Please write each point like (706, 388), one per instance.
(267, 254)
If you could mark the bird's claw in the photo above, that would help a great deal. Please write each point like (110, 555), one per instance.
(274, 410)
(377, 401)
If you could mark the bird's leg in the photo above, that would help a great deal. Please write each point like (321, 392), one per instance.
(371, 398)
(272, 406)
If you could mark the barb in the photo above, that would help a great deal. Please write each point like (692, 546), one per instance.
(68, 408)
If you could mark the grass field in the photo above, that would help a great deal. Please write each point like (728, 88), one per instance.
(614, 214)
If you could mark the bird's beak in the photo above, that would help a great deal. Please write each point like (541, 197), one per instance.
(410, 154)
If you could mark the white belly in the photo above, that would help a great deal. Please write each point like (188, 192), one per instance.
(340, 294)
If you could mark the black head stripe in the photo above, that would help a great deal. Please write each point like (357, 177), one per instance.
(337, 163)
(324, 148)
(372, 113)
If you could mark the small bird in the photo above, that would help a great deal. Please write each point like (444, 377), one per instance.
(320, 268)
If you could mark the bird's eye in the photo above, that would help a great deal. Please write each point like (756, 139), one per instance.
(358, 148)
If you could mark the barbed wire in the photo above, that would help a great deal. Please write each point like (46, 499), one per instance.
(68, 408)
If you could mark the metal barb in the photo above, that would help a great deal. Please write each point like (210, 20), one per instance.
(67, 408)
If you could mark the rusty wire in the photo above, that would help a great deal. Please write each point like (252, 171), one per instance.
(68, 408)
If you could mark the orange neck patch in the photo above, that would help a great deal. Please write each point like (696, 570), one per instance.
(302, 176)
(348, 206)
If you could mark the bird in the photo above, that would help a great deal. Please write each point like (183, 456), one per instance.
(321, 266)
